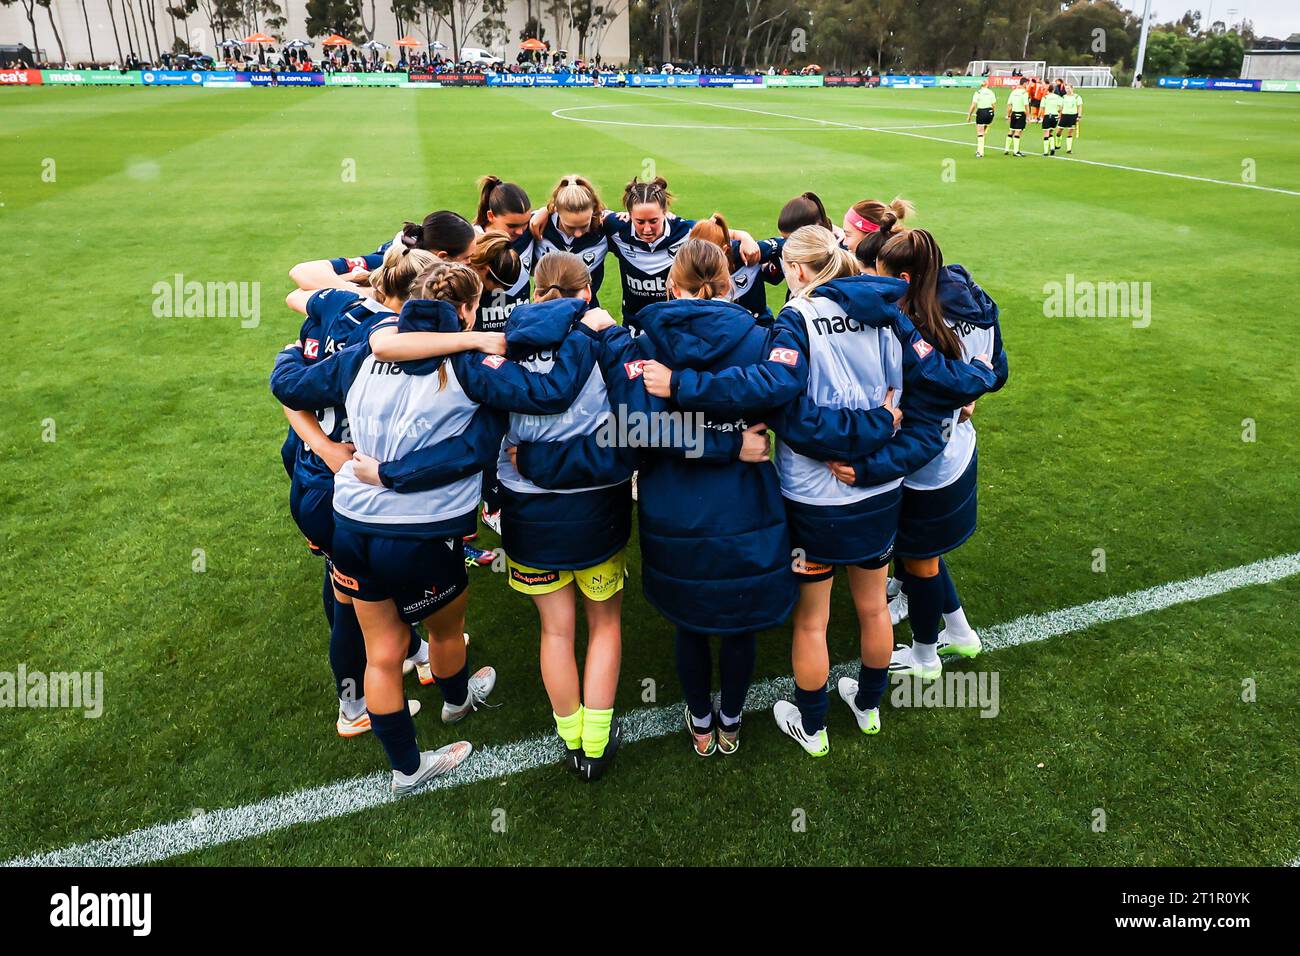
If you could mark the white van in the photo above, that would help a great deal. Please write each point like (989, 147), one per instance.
(479, 57)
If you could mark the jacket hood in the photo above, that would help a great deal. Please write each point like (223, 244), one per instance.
(426, 315)
(962, 300)
(695, 333)
(540, 325)
(869, 299)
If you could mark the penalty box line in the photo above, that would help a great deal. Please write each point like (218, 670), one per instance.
(496, 761)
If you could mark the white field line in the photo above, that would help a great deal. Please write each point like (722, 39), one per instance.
(967, 144)
(493, 762)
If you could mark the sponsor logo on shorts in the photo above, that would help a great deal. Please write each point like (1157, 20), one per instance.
(343, 581)
(494, 361)
(804, 566)
(784, 356)
(533, 579)
(922, 348)
(634, 369)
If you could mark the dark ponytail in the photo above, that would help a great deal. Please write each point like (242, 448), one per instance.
(868, 249)
(655, 192)
(444, 231)
(500, 199)
(806, 209)
(916, 253)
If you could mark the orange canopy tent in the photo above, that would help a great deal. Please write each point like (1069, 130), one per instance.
(533, 45)
(259, 38)
(335, 40)
(409, 41)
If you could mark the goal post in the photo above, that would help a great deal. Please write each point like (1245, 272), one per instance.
(1004, 72)
(1082, 76)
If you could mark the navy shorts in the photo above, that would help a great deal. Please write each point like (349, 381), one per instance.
(313, 512)
(419, 575)
(935, 522)
(861, 533)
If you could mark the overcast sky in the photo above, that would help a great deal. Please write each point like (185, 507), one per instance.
(1275, 18)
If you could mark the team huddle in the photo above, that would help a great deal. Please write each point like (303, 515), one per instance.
(1055, 106)
(465, 371)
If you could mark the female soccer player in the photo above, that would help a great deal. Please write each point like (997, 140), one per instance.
(864, 218)
(502, 207)
(747, 286)
(335, 319)
(571, 222)
(860, 352)
(645, 242)
(938, 511)
(982, 104)
(560, 543)
(715, 553)
(446, 234)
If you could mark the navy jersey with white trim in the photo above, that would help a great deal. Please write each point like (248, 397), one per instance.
(748, 285)
(336, 318)
(494, 307)
(342, 265)
(591, 247)
(644, 265)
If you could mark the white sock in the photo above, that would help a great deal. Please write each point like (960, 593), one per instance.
(956, 625)
(352, 709)
(702, 723)
(925, 653)
(729, 720)
(422, 655)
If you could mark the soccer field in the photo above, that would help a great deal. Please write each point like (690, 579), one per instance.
(150, 539)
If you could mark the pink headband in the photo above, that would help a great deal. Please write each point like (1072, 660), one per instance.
(858, 223)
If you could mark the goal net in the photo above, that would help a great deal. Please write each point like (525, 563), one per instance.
(1082, 75)
(1005, 72)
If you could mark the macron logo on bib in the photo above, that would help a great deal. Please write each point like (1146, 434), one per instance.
(922, 347)
(494, 361)
(634, 369)
(784, 356)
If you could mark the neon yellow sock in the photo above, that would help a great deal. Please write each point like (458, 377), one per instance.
(981, 143)
(1047, 140)
(1007, 148)
(1069, 145)
(570, 728)
(1017, 145)
(595, 731)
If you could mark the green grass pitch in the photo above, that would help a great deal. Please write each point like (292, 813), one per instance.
(1108, 436)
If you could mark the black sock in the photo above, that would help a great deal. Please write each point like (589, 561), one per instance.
(924, 600)
(695, 671)
(812, 706)
(414, 646)
(396, 732)
(871, 686)
(455, 689)
(347, 653)
(736, 656)
(951, 602)
(327, 596)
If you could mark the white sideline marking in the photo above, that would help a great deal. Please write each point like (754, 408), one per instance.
(562, 113)
(967, 144)
(492, 762)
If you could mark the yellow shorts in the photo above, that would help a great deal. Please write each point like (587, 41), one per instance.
(600, 582)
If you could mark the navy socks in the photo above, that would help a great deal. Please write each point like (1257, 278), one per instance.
(397, 734)
(812, 706)
(872, 682)
(455, 689)
(347, 653)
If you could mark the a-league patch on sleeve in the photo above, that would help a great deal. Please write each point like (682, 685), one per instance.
(494, 361)
(922, 347)
(355, 262)
(634, 369)
(784, 356)
(311, 348)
